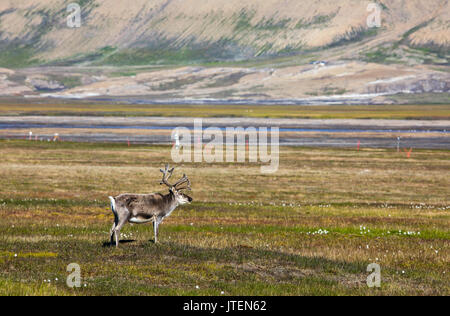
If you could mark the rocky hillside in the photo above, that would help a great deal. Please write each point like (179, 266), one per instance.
(142, 32)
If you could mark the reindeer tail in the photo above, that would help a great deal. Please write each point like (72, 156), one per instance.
(113, 205)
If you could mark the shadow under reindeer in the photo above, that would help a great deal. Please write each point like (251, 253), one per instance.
(108, 244)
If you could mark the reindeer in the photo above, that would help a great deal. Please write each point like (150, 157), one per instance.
(146, 208)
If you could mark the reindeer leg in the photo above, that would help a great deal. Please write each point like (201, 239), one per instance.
(156, 228)
(123, 219)
(111, 232)
(116, 219)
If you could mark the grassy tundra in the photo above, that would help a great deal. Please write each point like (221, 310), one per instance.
(10, 107)
(311, 228)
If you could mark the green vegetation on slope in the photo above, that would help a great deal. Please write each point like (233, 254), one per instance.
(17, 57)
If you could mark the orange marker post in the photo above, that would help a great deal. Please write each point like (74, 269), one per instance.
(408, 153)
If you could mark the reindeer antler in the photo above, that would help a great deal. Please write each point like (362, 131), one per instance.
(178, 186)
(167, 173)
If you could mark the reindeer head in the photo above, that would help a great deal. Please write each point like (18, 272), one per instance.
(177, 188)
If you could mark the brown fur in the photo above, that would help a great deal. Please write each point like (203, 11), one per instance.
(145, 208)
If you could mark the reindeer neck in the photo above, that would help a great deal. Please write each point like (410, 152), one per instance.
(171, 204)
(170, 198)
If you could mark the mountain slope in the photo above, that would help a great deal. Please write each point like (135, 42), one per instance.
(179, 31)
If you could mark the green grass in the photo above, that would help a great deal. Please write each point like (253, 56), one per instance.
(317, 20)
(399, 53)
(17, 57)
(123, 74)
(353, 36)
(265, 238)
(427, 110)
(163, 54)
(69, 82)
(381, 56)
(424, 98)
